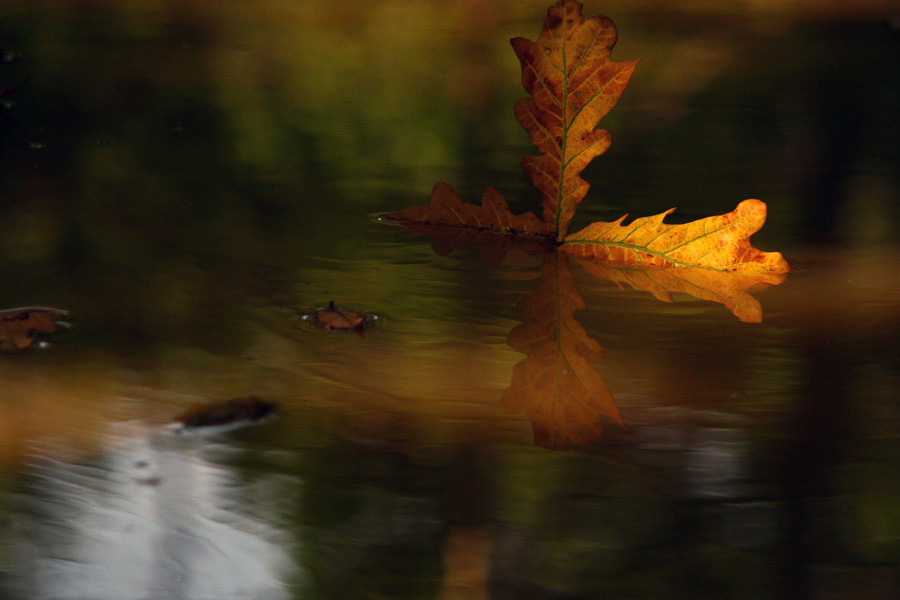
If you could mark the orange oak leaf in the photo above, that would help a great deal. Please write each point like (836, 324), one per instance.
(27, 328)
(721, 242)
(447, 209)
(556, 386)
(731, 288)
(573, 85)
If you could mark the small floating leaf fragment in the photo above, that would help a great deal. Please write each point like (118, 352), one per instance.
(333, 318)
(29, 327)
(227, 416)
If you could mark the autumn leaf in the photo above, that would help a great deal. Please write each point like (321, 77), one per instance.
(26, 328)
(334, 318)
(451, 223)
(573, 85)
(721, 242)
(447, 210)
(731, 288)
(556, 386)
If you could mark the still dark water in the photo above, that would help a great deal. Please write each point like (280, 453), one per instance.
(188, 179)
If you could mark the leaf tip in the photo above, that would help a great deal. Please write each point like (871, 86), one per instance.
(777, 263)
(752, 205)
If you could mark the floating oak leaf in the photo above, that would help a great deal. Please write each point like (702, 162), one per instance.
(447, 210)
(556, 386)
(25, 328)
(573, 85)
(721, 242)
(725, 287)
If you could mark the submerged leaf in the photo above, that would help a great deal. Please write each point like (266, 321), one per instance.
(557, 387)
(493, 249)
(721, 242)
(447, 210)
(573, 85)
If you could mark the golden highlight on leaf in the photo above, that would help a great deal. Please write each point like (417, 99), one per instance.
(573, 85)
(721, 242)
(556, 386)
(730, 288)
(447, 209)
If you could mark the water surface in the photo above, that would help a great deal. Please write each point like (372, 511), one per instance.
(188, 180)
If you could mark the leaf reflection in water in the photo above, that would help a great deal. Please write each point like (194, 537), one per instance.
(556, 386)
(731, 288)
(156, 519)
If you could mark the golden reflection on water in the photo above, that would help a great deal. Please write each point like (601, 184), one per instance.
(455, 387)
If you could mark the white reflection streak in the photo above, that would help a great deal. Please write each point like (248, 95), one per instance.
(153, 525)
